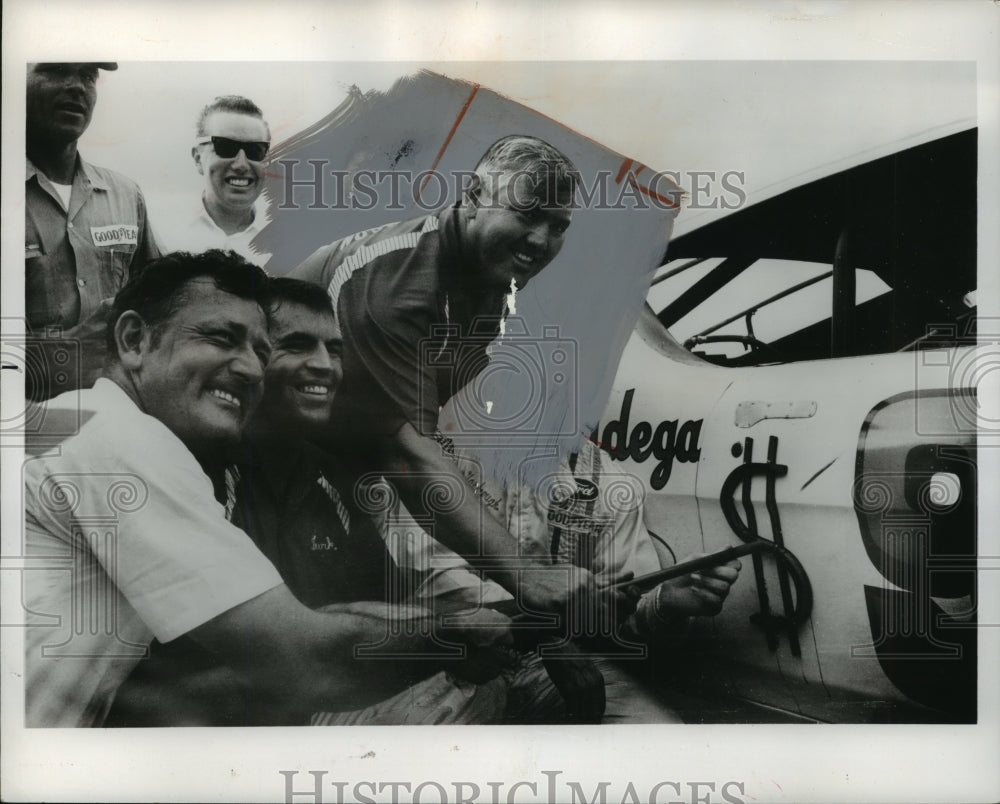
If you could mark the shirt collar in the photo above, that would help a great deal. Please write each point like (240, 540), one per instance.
(90, 175)
(260, 218)
(278, 464)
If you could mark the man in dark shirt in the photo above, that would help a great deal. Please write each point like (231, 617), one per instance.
(301, 505)
(418, 302)
(297, 502)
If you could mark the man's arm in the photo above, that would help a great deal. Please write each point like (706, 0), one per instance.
(298, 661)
(470, 530)
(317, 267)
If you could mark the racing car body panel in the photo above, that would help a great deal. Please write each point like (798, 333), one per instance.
(816, 431)
(849, 441)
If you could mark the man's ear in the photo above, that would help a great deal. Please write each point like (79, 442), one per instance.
(131, 333)
(196, 155)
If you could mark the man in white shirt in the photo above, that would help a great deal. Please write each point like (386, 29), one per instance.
(300, 507)
(230, 152)
(127, 524)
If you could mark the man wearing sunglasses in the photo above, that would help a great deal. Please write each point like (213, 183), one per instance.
(230, 152)
(86, 230)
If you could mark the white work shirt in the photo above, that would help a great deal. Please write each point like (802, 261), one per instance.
(136, 546)
(202, 233)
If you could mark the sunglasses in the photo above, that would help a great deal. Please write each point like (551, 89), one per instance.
(228, 149)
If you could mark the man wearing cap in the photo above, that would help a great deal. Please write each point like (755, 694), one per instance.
(229, 151)
(86, 228)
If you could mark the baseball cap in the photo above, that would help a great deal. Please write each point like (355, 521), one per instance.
(106, 65)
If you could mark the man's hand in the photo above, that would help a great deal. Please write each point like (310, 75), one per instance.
(488, 642)
(626, 599)
(471, 530)
(579, 682)
(575, 595)
(698, 593)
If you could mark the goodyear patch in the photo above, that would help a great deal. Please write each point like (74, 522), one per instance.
(121, 234)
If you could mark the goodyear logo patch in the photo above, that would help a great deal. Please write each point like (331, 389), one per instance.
(121, 234)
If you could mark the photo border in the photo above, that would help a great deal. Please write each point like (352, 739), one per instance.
(775, 763)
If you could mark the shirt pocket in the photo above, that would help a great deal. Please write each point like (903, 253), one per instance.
(115, 263)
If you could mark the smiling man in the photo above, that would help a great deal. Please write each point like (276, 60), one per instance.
(305, 369)
(298, 505)
(418, 302)
(230, 152)
(296, 501)
(190, 356)
(85, 231)
(127, 523)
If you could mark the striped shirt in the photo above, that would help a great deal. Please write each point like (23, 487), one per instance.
(415, 322)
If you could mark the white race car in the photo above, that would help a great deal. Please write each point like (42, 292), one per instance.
(805, 372)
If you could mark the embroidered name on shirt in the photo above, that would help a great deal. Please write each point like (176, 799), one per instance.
(118, 235)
